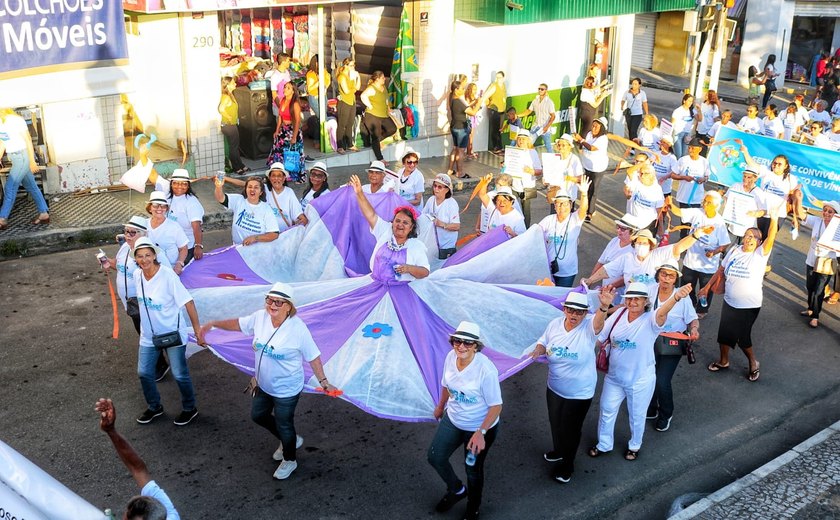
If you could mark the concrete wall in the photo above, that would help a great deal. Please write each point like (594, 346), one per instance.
(767, 31)
(671, 48)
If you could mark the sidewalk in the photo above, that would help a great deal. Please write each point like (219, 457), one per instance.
(728, 90)
(803, 484)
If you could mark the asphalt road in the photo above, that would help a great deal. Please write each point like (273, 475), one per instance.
(57, 358)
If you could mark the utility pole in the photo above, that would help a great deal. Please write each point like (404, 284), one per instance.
(718, 44)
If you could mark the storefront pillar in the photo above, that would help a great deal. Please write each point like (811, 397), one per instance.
(767, 31)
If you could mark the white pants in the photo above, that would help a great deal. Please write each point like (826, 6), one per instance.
(638, 397)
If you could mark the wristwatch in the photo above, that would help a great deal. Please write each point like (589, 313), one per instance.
(482, 431)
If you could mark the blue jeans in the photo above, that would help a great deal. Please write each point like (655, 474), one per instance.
(282, 425)
(680, 148)
(147, 358)
(663, 396)
(20, 174)
(447, 439)
(546, 138)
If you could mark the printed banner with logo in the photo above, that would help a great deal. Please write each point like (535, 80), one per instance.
(60, 35)
(818, 170)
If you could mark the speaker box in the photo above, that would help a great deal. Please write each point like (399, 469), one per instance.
(256, 122)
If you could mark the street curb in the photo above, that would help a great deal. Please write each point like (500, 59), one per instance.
(756, 475)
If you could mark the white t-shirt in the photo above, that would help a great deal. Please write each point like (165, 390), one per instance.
(834, 140)
(12, 132)
(822, 117)
(821, 141)
(817, 225)
(772, 127)
(151, 489)
(634, 270)
(680, 315)
(387, 185)
(165, 295)
(309, 196)
(645, 201)
(751, 125)
(249, 219)
(686, 191)
(614, 250)
(744, 277)
(802, 115)
(561, 242)
(416, 250)
(448, 213)
(183, 209)
(631, 351)
(513, 218)
(710, 113)
(487, 211)
(790, 122)
(569, 167)
(408, 188)
(289, 206)
(667, 164)
(635, 103)
(682, 120)
(571, 358)
(125, 266)
(472, 391)
(695, 257)
(598, 160)
(279, 353)
(717, 126)
(168, 236)
(776, 184)
(650, 138)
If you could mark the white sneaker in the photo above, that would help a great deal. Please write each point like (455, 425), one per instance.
(278, 454)
(285, 469)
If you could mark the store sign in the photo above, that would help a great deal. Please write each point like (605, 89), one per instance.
(41, 36)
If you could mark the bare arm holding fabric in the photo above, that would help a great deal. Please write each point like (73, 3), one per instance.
(364, 204)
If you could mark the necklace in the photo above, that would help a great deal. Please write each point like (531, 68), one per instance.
(394, 246)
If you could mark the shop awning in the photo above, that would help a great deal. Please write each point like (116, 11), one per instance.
(184, 6)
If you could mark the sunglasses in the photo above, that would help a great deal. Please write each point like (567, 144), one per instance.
(623, 229)
(441, 186)
(274, 302)
(156, 206)
(318, 175)
(574, 312)
(411, 162)
(467, 343)
(130, 232)
(541, 88)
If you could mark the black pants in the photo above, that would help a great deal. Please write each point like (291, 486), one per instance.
(346, 120)
(231, 133)
(595, 180)
(633, 124)
(767, 95)
(587, 115)
(697, 280)
(815, 283)
(378, 128)
(525, 198)
(566, 419)
(663, 395)
(495, 120)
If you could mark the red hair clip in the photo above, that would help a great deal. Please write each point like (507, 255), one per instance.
(408, 208)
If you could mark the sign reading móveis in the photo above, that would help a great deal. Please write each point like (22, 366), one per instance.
(59, 35)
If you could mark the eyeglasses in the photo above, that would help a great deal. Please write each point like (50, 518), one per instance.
(622, 229)
(575, 312)
(668, 274)
(274, 302)
(467, 343)
(130, 232)
(411, 162)
(541, 88)
(318, 175)
(441, 186)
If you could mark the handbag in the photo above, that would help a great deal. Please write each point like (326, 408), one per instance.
(824, 265)
(602, 359)
(667, 346)
(293, 157)
(166, 339)
(397, 117)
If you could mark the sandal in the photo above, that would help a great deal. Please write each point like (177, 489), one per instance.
(752, 376)
(806, 312)
(41, 220)
(717, 367)
(631, 455)
(834, 298)
(595, 452)
(814, 323)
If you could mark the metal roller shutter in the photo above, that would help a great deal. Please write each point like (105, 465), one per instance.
(831, 9)
(643, 39)
(374, 30)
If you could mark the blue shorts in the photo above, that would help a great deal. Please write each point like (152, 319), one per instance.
(460, 136)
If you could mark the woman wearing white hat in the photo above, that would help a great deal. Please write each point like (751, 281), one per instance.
(253, 220)
(468, 409)
(501, 207)
(184, 208)
(165, 233)
(443, 210)
(620, 244)
(631, 332)
(673, 342)
(742, 273)
(568, 344)
(594, 158)
(561, 232)
(398, 253)
(318, 185)
(818, 265)
(282, 343)
(411, 183)
(378, 179)
(282, 199)
(567, 174)
(161, 296)
(644, 194)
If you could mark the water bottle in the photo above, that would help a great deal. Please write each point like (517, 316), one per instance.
(470, 460)
(704, 302)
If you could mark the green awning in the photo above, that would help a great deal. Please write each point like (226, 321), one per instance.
(535, 11)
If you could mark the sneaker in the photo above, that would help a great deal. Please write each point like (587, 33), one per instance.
(450, 499)
(662, 424)
(588, 218)
(278, 453)
(651, 416)
(149, 415)
(285, 469)
(563, 477)
(184, 418)
(552, 456)
(160, 374)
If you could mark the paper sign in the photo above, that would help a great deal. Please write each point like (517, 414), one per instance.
(516, 160)
(830, 238)
(573, 120)
(136, 177)
(738, 204)
(666, 129)
(554, 169)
